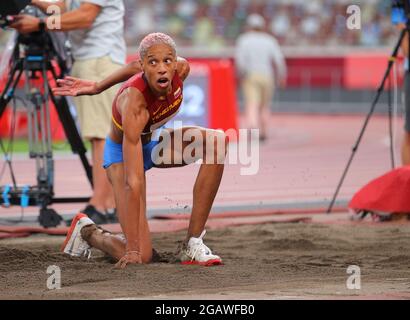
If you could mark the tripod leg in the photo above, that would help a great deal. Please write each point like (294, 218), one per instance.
(11, 85)
(72, 133)
(70, 129)
(373, 106)
(46, 132)
(389, 106)
(5, 98)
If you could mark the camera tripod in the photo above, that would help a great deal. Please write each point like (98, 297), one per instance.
(35, 61)
(392, 59)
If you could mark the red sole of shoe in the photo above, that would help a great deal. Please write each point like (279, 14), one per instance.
(70, 231)
(209, 263)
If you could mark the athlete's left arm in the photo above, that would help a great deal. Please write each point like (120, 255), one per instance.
(183, 68)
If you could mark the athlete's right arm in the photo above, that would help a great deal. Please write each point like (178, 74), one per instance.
(134, 118)
(120, 75)
(71, 86)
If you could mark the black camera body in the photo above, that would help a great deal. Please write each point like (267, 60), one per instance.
(10, 8)
(36, 44)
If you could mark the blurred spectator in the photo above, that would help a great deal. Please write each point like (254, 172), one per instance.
(280, 24)
(398, 18)
(217, 23)
(258, 56)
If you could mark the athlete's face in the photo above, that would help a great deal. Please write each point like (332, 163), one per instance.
(159, 66)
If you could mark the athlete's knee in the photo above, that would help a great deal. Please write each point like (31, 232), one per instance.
(134, 184)
(222, 148)
(109, 178)
(216, 145)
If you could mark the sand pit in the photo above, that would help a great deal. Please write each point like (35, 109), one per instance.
(271, 261)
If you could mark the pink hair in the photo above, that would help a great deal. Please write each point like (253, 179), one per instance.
(153, 39)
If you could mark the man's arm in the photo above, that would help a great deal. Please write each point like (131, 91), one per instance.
(279, 61)
(240, 56)
(405, 43)
(134, 118)
(44, 4)
(398, 18)
(81, 18)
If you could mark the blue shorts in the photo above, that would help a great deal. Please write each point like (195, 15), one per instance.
(113, 153)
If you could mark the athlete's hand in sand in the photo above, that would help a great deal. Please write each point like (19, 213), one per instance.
(130, 257)
(70, 86)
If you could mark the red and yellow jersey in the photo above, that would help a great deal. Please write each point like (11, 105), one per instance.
(161, 109)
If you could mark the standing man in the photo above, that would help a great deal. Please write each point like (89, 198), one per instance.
(96, 32)
(399, 19)
(257, 56)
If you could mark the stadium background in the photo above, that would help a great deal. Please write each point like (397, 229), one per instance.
(330, 67)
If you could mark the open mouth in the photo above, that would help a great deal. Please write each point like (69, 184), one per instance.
(163, 82)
